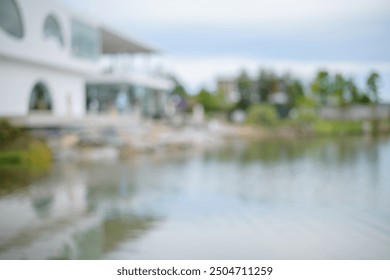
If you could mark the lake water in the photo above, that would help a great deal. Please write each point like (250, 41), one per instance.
(274, 199)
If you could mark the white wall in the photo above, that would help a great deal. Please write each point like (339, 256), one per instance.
(17, 80)
(34, 58)
(34, 47)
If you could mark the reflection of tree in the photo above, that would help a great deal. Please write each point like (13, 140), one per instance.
(266, 151)
(336, 151)
(119, 229)
(112, 196)
(13, 180)
(42, 205)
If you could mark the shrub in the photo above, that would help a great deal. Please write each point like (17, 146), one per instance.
(263, 114)
(337, 127)
(8, 133)
(19, 150)
(303, 114)
(37, 157)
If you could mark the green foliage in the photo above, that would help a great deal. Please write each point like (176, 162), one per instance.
(263, 114)
(303, 114)
(372, 85)
(18, 167)
(8, 133)
(211, 101)
(267, 83)
(36, 158)
(364, 99)
(339, 90)
(19, 150)
(321, 87)
(325, 88)
(354, 95)
(304, 101)
(244, 85)
(295, 91)
(353, 91)
(179, 88)
(337, 127)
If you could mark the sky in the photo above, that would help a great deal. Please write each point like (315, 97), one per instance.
(205, 39)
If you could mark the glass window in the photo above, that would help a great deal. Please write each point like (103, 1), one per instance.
(109, 98)
(85, 40)
(10, 18)
(52, 29)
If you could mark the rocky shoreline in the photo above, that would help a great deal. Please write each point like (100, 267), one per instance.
(111, 143)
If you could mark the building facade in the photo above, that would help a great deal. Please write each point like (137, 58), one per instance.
(49, 54)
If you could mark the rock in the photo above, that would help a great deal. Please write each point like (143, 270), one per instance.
(98, 153)
(65, 154)
(69, 140)
(91, 140)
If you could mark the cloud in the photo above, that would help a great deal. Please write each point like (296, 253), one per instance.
(331, 29)
(171, 13)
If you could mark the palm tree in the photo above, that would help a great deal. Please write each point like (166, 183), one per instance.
(244, 85)
(321, 86)
(267, 83)
(340, 86)
(372, 85)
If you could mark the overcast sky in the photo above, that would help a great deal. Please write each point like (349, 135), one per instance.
(204, 39)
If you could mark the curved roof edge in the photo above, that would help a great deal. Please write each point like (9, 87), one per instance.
(114, 43)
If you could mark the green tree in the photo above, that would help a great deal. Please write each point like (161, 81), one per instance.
(321, 87)
(352, 91)
(178, 89)
(295, 91)
(211, 101)
(245, 89)
(267, 83)
(356, 96)
(372, 86)
(340, 90)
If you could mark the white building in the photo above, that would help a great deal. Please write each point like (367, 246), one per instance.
(49, 57)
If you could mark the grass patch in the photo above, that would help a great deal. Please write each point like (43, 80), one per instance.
(330, 127)
(23, 158)
(36, 157)
(262, 114)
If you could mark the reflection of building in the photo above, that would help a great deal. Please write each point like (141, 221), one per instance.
(62, 217)
(49, 64)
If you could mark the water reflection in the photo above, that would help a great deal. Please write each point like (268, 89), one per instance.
(68, 215)
(307, 199)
